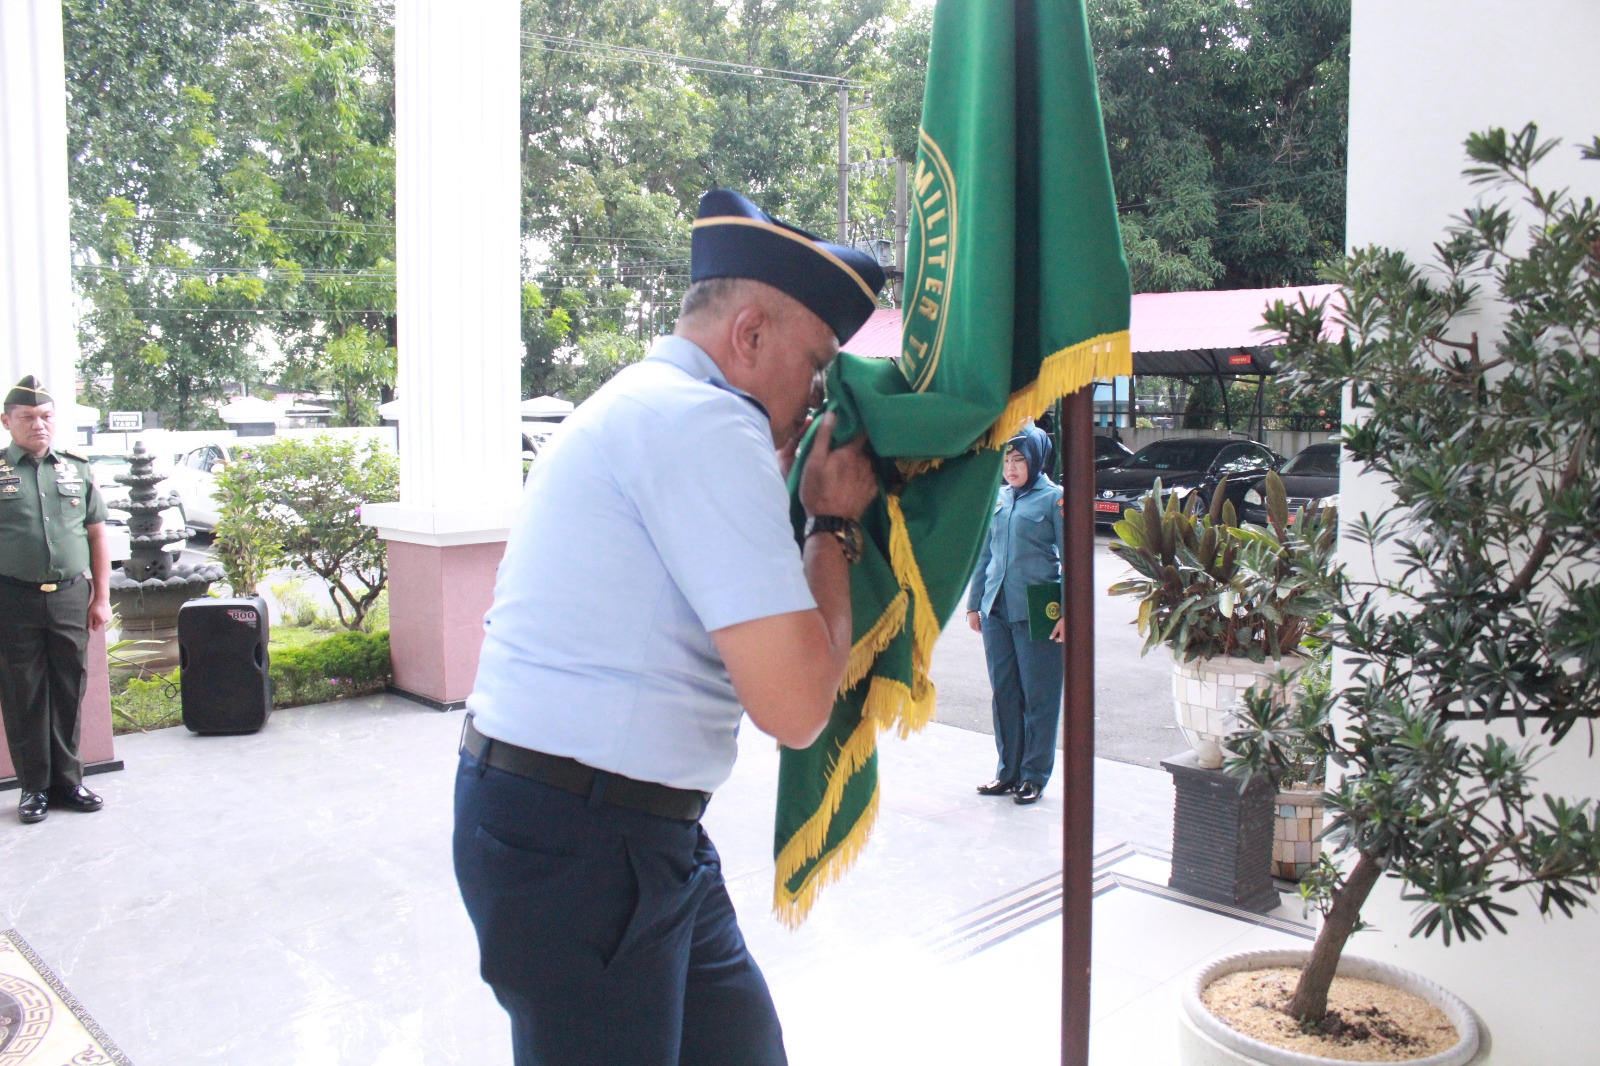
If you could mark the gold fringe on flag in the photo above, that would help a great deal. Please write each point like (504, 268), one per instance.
(882, 707)
(888, 703)
(1106, 356)
(792, 907)
(871, 645)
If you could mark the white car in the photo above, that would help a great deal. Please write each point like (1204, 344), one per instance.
(193, 481)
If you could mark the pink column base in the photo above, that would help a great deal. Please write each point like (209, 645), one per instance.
(437, 600)
(94, 731)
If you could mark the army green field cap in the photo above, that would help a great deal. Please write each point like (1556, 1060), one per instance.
(29, 393)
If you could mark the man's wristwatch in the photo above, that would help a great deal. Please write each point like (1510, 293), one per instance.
(848, 530)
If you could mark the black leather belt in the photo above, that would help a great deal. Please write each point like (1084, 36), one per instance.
(570, 775)
(42, 586)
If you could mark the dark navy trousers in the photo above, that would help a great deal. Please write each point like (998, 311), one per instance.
(1026, 677)
(606, 934)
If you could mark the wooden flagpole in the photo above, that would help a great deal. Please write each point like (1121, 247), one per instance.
(1075, 438)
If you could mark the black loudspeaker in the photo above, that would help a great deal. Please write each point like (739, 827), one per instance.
(222, 653)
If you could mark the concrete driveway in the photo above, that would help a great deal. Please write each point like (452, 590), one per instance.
(1133, 693)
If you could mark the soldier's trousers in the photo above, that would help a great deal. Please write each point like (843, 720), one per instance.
(43, 639)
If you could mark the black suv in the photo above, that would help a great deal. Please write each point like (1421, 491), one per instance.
(1185, 465)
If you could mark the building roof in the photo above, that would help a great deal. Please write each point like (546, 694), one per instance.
(250, 410)
(1173, 333)
(545, 407)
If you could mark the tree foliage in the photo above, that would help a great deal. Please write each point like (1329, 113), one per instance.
(1226, 125)
(232, 177)
(1489, 610)
(301, 499)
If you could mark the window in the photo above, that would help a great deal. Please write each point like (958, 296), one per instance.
(1175, 454)
(1320, 460)
(1241, 459)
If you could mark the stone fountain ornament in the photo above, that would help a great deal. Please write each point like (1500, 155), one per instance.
(147, 592)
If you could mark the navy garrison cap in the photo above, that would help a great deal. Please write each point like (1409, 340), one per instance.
(28, 393)
(733, 238)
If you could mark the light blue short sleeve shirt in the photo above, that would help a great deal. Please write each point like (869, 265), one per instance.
(656, 515)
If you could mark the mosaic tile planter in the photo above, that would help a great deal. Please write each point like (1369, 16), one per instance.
(1296, 829)
(1206, 692)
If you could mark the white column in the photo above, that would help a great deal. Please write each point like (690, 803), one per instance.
(37, 333)
(458, 203)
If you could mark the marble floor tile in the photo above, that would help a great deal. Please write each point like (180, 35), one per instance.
(288, 897)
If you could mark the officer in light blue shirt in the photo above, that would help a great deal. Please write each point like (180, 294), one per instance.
(650, 596)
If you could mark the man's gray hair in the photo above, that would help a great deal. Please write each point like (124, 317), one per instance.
(710, 295)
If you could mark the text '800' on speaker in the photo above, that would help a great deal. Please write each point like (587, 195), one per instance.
(222, 651)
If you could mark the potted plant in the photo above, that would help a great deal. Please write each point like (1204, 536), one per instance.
(1482, 604)
(1233, 603)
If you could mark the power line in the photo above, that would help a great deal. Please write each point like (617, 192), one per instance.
(268, 310)
(1292, 179)
(330, 9)
(357, 15)
(654, 57)
(308, 222)
(353, 228)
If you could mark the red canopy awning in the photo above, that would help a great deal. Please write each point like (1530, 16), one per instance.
(1173, 333)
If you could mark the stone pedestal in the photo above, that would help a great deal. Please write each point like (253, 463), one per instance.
(437, 599)
(94, 731)
(1221, 838)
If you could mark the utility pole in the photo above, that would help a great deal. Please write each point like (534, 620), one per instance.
(902, 226)
(844, 164)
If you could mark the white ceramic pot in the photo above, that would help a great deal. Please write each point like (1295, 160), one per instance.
(1206, 692)
(1205, 1040)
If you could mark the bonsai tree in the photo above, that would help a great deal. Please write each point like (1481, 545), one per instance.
(1486, 606)
(1208, 586)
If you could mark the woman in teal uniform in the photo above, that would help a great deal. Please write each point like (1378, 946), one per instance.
(1024, 548)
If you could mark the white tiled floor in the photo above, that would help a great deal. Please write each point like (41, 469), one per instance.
(287, 898)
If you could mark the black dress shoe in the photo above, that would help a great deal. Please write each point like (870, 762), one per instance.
(1028, 792)
(76, 798)
(997, 788)
(33, 807)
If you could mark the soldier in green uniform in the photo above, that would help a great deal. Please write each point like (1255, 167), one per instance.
(55, 582)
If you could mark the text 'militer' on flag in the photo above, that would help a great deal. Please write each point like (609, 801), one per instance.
(1016, 294)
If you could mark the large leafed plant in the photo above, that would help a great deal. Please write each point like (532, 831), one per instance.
(1208, 586)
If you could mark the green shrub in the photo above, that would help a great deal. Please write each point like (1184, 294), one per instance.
(141, 705)
(343, 665)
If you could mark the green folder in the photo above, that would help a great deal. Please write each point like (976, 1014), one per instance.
(1044, 609)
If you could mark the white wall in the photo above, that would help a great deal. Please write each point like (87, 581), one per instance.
(1425, 73)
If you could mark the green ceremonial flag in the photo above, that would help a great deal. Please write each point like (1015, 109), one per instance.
(1016, 293)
